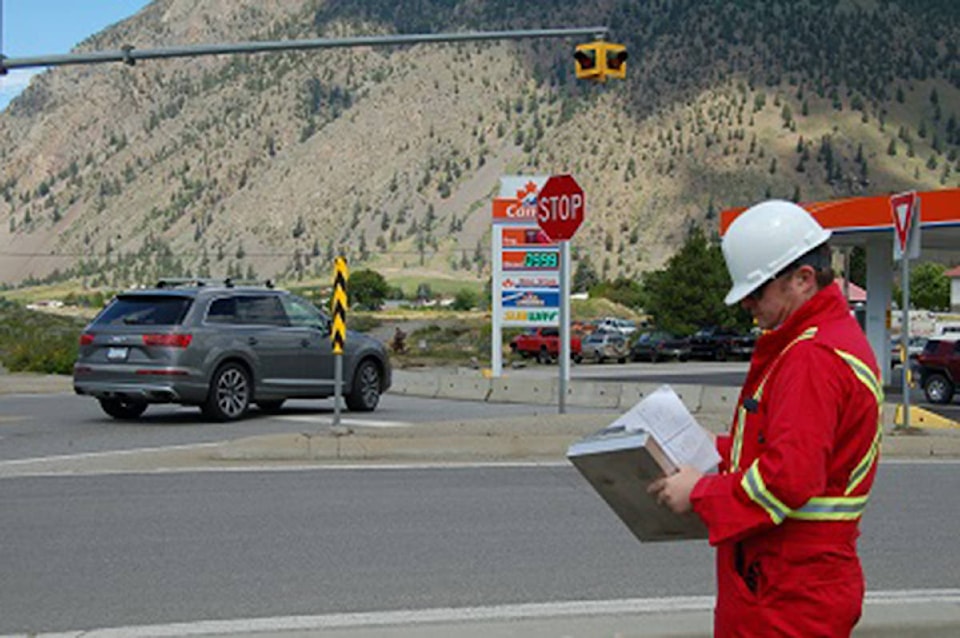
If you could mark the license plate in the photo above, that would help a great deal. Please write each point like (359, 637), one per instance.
(117, 354)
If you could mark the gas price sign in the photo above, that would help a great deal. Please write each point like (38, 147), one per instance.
(531, 260)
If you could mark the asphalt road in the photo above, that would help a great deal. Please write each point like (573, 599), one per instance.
(118, 550)
(34, 425)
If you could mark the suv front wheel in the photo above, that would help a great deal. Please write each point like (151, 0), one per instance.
(229, 394)
(366, 388)
(938, 388)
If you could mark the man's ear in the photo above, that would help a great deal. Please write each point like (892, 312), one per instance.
(806, 278)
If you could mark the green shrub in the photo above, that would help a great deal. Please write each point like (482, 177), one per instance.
(33, 341)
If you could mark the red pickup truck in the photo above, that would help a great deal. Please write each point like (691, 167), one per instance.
(544, 344)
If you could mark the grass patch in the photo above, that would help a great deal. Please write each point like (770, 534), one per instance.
(32, 341)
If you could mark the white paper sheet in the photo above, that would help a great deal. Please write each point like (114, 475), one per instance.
(664, 416)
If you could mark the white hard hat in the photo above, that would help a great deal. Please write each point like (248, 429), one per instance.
(763, 240)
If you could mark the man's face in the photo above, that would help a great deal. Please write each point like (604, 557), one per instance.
(772, 303)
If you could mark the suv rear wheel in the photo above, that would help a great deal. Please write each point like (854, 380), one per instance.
(938, 388)
(366, 388)
(229, 394)
(123, 410)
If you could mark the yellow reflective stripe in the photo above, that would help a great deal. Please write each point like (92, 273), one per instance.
(863, 467)
(866, 376)
(757, 395)
(818, 508)
(864, 373)
(738, 439)
(752, 483)
(831, 508)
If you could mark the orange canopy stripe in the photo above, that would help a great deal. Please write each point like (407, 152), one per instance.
(936, 207)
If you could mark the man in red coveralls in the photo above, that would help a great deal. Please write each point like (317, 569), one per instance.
(799, 461)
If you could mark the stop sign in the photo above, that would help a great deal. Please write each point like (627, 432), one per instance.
(560, 207)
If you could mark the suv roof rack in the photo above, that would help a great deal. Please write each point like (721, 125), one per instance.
(173, 282)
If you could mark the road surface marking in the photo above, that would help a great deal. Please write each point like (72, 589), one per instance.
(311, 419)
(533, 611)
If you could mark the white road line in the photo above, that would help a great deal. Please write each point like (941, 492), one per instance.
(461, 615)
(328, 420)
(107, 453)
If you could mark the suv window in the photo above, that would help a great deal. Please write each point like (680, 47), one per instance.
(253, 310)
(145, 310)
(302, 313)
(222, 310)
(261, 311)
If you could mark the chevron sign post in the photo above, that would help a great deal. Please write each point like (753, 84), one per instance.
(338, 330)
(338, 335)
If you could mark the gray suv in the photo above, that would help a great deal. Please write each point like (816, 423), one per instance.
(220, 347)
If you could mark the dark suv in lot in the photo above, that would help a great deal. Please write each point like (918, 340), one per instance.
(220, 347)
(939, 368)
(719, 344)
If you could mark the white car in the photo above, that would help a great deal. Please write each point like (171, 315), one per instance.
(614, 324)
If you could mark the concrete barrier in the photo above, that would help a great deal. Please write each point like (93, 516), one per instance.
(719, 399)
(418, 384)
(538, 391)
(594, 394)
(470, 388)
(632, 393)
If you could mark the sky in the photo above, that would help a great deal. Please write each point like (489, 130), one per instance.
(51, 27)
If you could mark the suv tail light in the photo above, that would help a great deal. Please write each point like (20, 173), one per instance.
(169, 340)
(86, 339)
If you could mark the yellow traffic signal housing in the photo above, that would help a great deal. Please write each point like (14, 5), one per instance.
(599, 60)
(616, 61)
(588, 60)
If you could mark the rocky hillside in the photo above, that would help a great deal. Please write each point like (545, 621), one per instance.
(270, 164)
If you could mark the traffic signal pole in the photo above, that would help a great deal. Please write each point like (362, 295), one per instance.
(129, 54)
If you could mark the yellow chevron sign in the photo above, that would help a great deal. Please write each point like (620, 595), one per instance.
(338, 335)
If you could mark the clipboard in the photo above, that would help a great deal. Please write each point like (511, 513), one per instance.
(620, 465)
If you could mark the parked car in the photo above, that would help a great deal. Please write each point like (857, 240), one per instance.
(220, 347)
(939, 369)
(720, 344)
(601, 346)
(615, 324)
(660, 345)
(543, 344)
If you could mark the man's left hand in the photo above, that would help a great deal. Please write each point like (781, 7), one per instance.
(674, 490)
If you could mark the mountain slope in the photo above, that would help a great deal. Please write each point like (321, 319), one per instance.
(270, 164)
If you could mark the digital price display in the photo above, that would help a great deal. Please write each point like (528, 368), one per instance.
(536, 260)
(531, 260)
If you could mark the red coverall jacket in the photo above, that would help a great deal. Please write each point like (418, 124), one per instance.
(807, 427)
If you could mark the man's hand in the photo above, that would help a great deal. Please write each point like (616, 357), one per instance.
(674, 490)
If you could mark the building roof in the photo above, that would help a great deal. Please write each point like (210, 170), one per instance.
(953, 272)
(855, 294)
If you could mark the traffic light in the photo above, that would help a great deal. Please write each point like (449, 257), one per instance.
(616, 61)
(586, 61)
(599, 60)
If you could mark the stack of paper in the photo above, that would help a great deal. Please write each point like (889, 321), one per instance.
(649, 441)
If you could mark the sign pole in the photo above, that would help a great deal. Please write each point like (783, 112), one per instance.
(906, 244)
(561, 208)
(905, 335)
(338, 331)
(564, 325)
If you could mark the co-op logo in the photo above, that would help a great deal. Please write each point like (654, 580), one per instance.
(526, 204)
